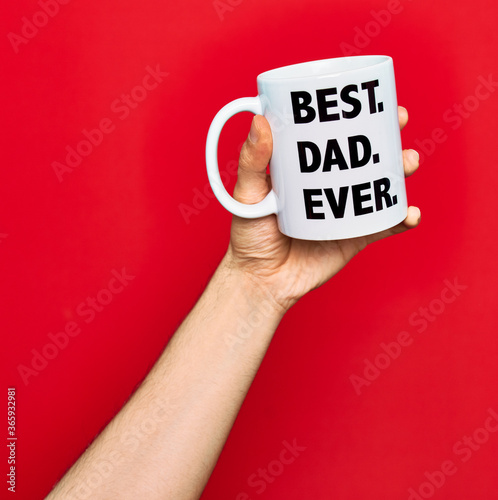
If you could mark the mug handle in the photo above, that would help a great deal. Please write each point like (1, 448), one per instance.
(265, 207)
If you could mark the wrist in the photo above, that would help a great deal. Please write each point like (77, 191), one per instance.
(254, 291)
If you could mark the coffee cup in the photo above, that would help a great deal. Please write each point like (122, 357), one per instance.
(337, 165)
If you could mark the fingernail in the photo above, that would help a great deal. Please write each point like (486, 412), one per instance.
(253, 133)
(413, 155)
(419, 215)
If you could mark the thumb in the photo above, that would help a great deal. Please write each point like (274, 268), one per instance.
(252, 180)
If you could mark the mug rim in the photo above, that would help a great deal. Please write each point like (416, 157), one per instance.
(320, 68)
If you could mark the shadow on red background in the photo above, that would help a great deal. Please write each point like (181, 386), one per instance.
(134, 203)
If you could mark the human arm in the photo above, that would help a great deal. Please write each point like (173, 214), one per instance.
(166, 440)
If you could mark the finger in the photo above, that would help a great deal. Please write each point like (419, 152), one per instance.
(412, 220)
(252, 181)
(402, 117)
(410, 161)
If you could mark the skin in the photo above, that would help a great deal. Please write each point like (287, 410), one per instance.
(165, 441)
(288, 267)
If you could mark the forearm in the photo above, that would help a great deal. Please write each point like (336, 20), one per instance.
(165, 442)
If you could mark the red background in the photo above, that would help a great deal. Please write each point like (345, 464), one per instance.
(121, 207)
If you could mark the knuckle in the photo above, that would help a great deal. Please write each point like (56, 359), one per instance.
(246, 156)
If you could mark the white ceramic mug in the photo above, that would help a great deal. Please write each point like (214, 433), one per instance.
(337, 165)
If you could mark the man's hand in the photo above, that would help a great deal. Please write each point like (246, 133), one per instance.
(288, 268)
